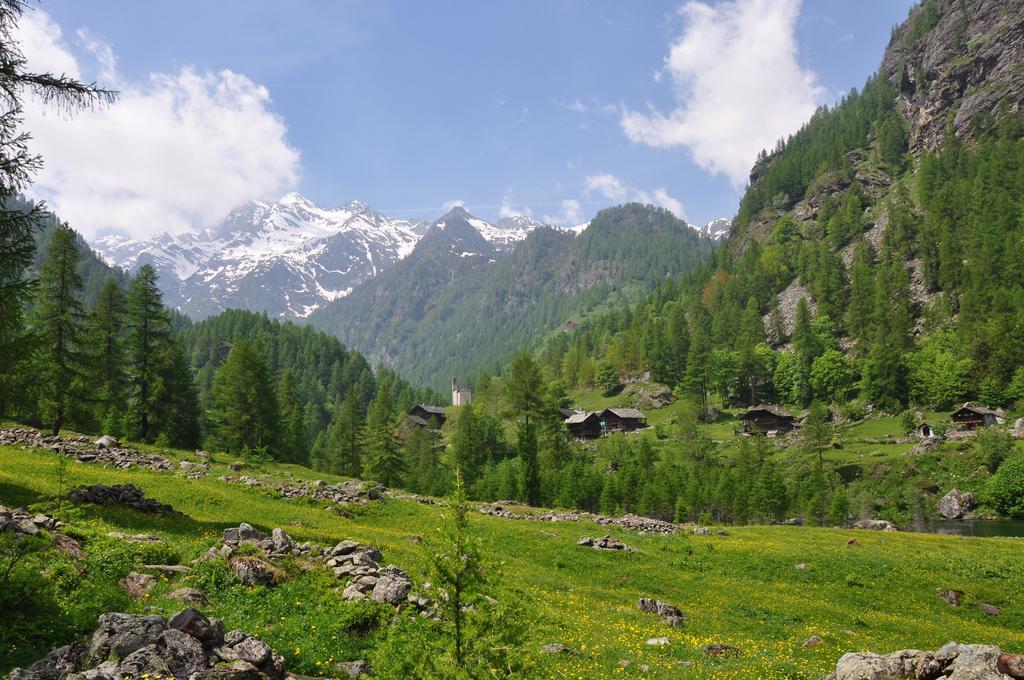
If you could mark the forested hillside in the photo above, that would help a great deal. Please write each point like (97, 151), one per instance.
(871, 259)
(454, 307)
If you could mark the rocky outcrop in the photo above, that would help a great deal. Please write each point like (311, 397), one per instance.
(105, 450)
(25, 523)
(953, 661)
(127, 495)
(648, 395)
(955, 504)
(964, 57)
(188, 645)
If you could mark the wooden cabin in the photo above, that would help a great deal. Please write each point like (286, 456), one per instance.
(974, 417)
(766, 419)
(622, 420)
(584, 425)
(421, 415)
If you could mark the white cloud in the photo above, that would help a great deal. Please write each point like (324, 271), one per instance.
(508, 210)
(569, 216)
(737, 84)
(614, 189)
(176, 151)
(454, 203)
(607, 185)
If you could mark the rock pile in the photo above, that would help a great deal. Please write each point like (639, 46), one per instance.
(631, 522)
(875, 525)
(106, 450)
(359, 492)
(646, 525)
(672, 615)
(358, 565)
(956, 504)
(605, 543)
(24, 523)
(188, 645)
(127, 495)
(977, 662)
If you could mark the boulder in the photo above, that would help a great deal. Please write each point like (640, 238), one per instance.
(282, 542)
(144, 662)
(107, 442)
(953, 661)
(189, 596)
(54, 665)
(658, 641)
(253, 650)
(955, 504)
(193, 623)
(1011, 664)
(182, 653)
(138, 585)
(812, 641)
(989, 609)
(952, 597)
(252, 571)
(68, 546)
(121, 634)
(670, 613)
(392, 586)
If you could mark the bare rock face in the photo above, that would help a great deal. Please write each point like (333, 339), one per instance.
(966, 57)
(955, 504)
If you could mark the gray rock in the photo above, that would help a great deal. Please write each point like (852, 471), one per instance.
(122, 634)
(352, 592)
(955, 504)
(144, 661)
(701, 531)
(392, 586)
(812, 641)
(952, 597)
(193, 623)
(281, 541)
(182, 653)
(721, 650)
(353, 669)
(107, 442)
(138, 585)
(252, 571)
(658, 641)
(555, 648)
(989, 609)
(953, 661)
(54, 665)
(875, 525)
(253, 650)
(189, 596)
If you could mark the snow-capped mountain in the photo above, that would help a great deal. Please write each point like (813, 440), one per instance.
(715, 229)
(286, 258)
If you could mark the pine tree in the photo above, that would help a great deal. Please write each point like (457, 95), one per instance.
(57, 322)
(149, 332)
(243, 406)
(383, 459)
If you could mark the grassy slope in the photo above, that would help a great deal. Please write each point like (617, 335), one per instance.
(740, 589)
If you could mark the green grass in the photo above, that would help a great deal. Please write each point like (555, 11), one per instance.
(740, 589)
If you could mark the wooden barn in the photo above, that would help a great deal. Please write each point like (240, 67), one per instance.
(584, 425)
(974, 417)
(421, 415)
(622, 420)
(767, 419)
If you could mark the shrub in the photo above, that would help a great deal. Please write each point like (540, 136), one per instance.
(1005, 491)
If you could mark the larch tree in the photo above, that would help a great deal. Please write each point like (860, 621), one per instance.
(57, 322)
(383, 458)
(58, 93)
(104, 331)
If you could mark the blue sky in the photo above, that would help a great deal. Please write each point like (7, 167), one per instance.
(508, 107)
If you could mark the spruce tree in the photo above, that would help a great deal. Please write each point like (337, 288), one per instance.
(104, 332)
(383, 459)
(177, 412)
(244, 403)
(293, 430)
(149, 332)
(343, 448)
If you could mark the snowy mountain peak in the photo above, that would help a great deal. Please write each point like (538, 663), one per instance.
(715, 229)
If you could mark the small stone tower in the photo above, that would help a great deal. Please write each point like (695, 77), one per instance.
(460, 393)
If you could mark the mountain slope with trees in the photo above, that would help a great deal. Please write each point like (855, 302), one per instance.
(454, 307)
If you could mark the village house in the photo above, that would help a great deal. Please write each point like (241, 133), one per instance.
(975, 417)
(591, 425)
(461, 394)
(768, 420)
(421, 415)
